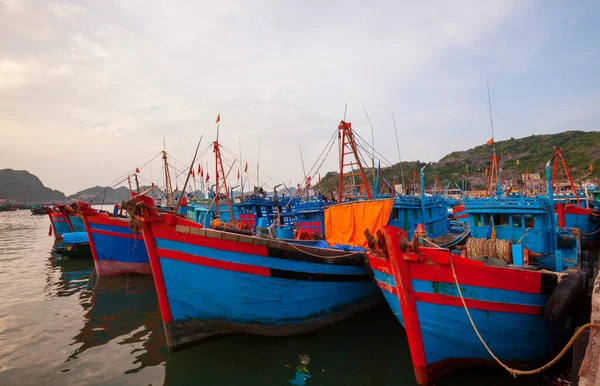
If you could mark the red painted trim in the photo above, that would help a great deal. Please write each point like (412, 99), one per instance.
(115, 234)
(90, 238)
(104, 219)
(386, 287)
(159, 281)
(207, 262)
(571, 209)
(474, 304)
(169, 233)
(478, 275)
(408, 305)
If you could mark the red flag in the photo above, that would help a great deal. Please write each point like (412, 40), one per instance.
(153, 184)
(238, 174)
(308, 181)
(199, 169)
(193, 175)
(218, 118)
(207, 177)
(137, 170)
(176, 188)
(201, 172)
(319, 180)
(246, 168)
(486, 170)
(490, 141)
(591, 169)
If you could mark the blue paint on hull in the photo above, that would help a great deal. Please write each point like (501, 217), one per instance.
(205, 293)
(448, 334)
(259, 261)
(61, 227)
(77, 223)
(122, 249)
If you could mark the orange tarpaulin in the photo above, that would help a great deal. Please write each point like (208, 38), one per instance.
(346, 223)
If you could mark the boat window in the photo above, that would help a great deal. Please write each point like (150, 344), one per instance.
(486, 219)
(477, 220)
(517, 221)
(529, 221)
(501, 220)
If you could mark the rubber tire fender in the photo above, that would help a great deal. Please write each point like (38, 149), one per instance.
(559, 303)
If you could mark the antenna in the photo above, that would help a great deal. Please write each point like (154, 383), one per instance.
(257, 163)
(398, 145)
(303, 170)
(372, 138)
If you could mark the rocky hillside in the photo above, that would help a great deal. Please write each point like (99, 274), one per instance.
(20, 185)
(580, 149)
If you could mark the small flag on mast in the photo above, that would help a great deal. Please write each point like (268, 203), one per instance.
(591, 169)
(218, 118)
(490, 141)
(137, 170)
(246, 168)
(207, 177)
(199, 169)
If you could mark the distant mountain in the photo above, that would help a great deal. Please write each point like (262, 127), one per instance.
(20, 185)
(97, 195)
(580, 149)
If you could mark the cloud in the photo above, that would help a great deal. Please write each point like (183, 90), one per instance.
(110, 80)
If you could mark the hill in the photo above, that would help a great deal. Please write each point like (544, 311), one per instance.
(97, 196)
(580, 149)
(20, 185)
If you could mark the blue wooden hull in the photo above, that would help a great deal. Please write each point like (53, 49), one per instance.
(448, 333)
(506, 306)
(115, 248)
(212, 283)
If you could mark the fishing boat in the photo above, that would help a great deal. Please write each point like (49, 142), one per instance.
(63, 219)
(38, 211)
(73, 245)
(116, 249)
(229, 280)
(257, 285)
(513, 287)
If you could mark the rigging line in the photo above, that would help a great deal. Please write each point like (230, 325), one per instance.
(372, 137)
(324, 159)
(332, 140)
(384, 161)
(377, 152)
(398, 145)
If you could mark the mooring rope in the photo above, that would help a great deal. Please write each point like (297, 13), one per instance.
(321, 257)
(515, 372)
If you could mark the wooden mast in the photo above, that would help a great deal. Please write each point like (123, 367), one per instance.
(168, 187)
(348, 148)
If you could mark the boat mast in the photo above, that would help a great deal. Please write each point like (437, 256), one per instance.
(348, 148)
(558, 155)
(494, 167)
(398, 145)
(220, 175)
(168, 186)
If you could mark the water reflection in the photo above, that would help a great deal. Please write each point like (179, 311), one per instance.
(123, 309)
(353, 352)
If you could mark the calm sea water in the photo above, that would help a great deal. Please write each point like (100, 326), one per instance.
(62, 325)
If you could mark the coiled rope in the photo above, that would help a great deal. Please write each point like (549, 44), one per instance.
(497, 248)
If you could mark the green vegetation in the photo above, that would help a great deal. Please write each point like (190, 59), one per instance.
(580, 148)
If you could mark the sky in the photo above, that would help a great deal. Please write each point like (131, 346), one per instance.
(89, 90)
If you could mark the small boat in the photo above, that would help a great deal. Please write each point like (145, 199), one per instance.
(212, 282)
(38, 211)
(115, 248)
(73, 245)
(514, 288)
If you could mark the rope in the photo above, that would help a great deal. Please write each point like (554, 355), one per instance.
(312, 254)
(588, 234)
(515, 372)
(497, 248)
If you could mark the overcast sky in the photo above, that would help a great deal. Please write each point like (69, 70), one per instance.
(89, 89)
